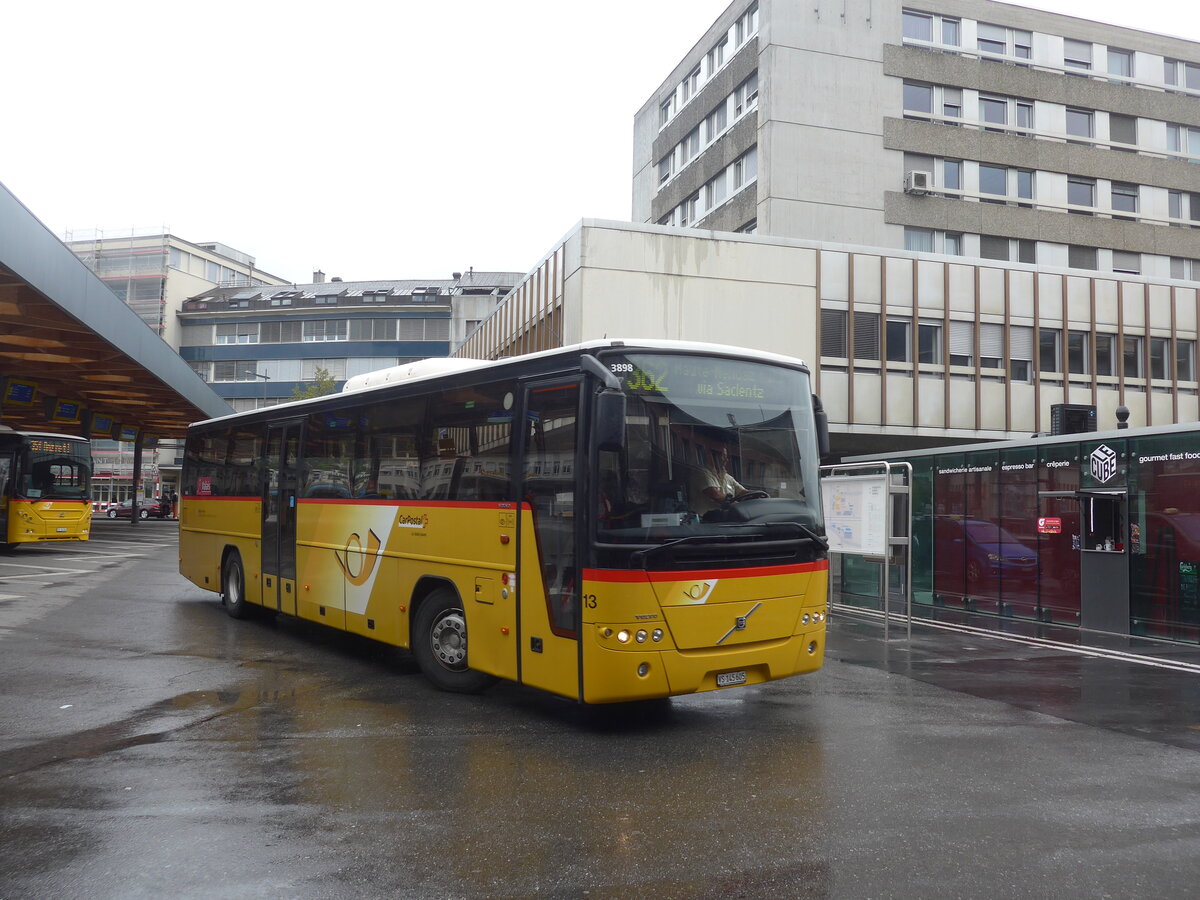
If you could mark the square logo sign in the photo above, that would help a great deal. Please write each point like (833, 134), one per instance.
(1103, 463)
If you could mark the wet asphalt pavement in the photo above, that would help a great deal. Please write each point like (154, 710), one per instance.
(152, 747)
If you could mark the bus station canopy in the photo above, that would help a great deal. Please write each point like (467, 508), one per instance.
(73, 357)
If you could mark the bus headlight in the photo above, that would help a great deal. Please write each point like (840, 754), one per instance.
(640, 637)
(623, 636)
(656, 635)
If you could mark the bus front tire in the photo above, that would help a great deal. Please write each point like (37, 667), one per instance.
(440, 645)
(233, 587)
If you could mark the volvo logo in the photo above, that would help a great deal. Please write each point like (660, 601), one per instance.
(739, 623)
(1103, 463)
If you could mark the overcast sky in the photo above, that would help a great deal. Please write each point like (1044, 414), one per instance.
(368, 139)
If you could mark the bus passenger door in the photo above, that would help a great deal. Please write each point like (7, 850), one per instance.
(6, 466)
(549, 575)
(279, 518)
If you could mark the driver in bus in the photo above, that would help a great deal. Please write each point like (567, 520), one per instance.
(717, 485)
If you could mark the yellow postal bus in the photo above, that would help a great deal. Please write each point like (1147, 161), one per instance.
(45, 487)
(610, 521)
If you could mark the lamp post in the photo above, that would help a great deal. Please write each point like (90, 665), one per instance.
(265, 379)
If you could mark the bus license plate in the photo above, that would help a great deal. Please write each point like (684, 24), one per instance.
(727, 679)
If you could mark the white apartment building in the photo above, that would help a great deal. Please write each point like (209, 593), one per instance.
(964, 127)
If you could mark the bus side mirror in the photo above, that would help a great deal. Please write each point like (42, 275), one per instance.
(609, 425)
(822, 423)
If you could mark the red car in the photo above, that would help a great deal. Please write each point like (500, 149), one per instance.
(147, 509)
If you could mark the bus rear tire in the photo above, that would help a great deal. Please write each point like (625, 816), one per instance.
(233, 587)
(439, 642)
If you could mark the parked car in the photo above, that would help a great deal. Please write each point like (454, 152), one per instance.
(147, 509)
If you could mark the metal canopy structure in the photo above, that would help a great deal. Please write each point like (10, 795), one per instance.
(63, 332)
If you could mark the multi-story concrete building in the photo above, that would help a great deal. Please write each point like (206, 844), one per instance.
(907, 349)
(962, 127)
(256, 345)
(154, 272)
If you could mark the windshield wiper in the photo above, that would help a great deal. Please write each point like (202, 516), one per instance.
(807, 535)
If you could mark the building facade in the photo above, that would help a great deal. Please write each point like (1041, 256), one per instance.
(257, 345)
(908, 349)
(155, 272)
(964, 127)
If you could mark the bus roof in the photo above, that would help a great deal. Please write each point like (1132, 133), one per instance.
(436, 367)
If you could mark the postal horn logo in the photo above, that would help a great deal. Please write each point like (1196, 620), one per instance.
(357, 561)
(1103, 463)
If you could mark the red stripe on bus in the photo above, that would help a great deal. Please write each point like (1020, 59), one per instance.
(207, 497)
(423, 504)
(627, 576)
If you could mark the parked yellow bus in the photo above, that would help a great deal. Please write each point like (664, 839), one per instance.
(45, 487)
(559, 508)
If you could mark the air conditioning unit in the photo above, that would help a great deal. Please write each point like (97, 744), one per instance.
(917, 182)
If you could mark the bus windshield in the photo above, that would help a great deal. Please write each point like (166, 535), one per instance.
(711, 444)
(55, 469)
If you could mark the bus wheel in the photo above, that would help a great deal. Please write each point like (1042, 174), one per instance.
(440, 644)
(233, 587)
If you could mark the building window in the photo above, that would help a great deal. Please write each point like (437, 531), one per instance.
(1120, 62)
(951, 32)
(918, 26)
(690, 85)
(1106, 355)
(1122, 129)
(993, 180)
(1127, 262)
(1081, 192)
(745, 168)
(747, 24)
(833, 333)
(929, 343)
(899, 340)
(745, 96)
(866, 335)
(918, 239)
(1185, 360)
(237, 333)
(953, 243)
(951, 104)
(1131, 355)
(1048, 350)
(1181, 74)
(1020, 353)
(666, 109)
(1185, 269)
(714, 192)
(991, 345)
(716, 56)
(1077, 352)
(1081, 257)
(1001, 41)
(962, 343)
(1160, 353)
(325, 330)
(664, 168)
(1081, 123)
(1012, 249)
(687, 211)
(750, 227)
(1077, 55)
(918, 98)
(1025, 186)
(993, 110)
(201, 368)
(1184, 206)
(952, 174)
(235, 370)
(1183, 139)
(715, 122)
(1125, 199)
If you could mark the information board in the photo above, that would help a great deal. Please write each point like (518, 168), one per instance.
(856, 513)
